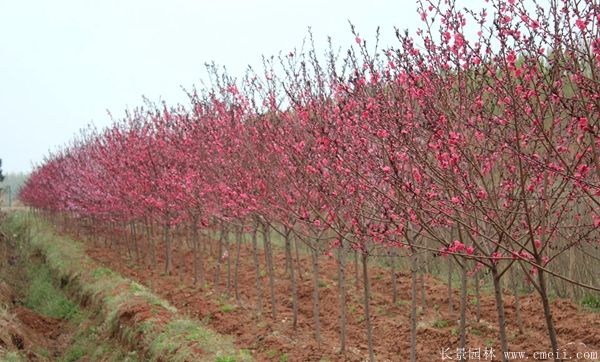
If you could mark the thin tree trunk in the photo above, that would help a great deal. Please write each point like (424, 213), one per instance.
(219, 261)
(547, 310)
(152, 245)
(180, 251)
(515, 288)
(450, 302)
(477, 297)
(356, 271)
(367, 295)
(195, 249)
(394, 276)
(423, 294)
(463, 307)
(259, 291)
(270, 271)
(500, 312)
(342, 288)
(292, 273)
(413, 308)
(316, 306)
(126, 239)
(168, 261)
(228, 251)
(298, 260)
(136, 248)
(238, 246)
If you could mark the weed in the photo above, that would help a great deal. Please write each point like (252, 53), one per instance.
(476, 332)
(591, 302)
(226, 308)
(44, 298)
(440, 323)
(74, 354)
(12, 357)
(225, 359)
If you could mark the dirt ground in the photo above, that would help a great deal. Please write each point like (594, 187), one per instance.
(271, 339)
(37, 337)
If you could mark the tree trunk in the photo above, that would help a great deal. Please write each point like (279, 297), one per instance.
(515, 288)
(423, 294)
(228, 260)
(342, 288)
(195, 249)
(463, 306)
(366, 299)
(292, 274)
(238, 246)
(298, 260)
(219, 261)
(356, 272)
(180, 251)
(413, 308)
(547, 310)
(450, 302)
(316, 306)
(168, 261)
(270, 271)
(477, 297)
(394, 277)
(500, 312)
(259, 291)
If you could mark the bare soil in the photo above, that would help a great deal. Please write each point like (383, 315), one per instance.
(271, 339)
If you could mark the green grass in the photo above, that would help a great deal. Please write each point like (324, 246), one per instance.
(476, 332)
(12, 357)
(108, 293)
(225, 359)
(74, 353)
(227, 308)
(440, 323)
(45, 298)
(591, 302)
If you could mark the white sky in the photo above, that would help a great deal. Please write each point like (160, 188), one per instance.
(63, 63)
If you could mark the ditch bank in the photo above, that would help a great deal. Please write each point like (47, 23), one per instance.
(126, 311)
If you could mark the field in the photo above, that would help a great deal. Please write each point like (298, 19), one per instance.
(63, 329)
(271, 339)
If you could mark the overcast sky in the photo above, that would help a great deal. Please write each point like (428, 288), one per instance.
(64, 63)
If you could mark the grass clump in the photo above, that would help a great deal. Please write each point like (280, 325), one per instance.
(591, 302)
(227, 308)
(440, 323)
(44, 298)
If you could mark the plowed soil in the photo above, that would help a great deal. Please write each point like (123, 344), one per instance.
(274, 339)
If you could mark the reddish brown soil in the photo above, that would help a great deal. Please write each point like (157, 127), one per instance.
(21, 329)
(270, 339)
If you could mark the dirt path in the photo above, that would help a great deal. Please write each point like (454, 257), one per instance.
(275, 340)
